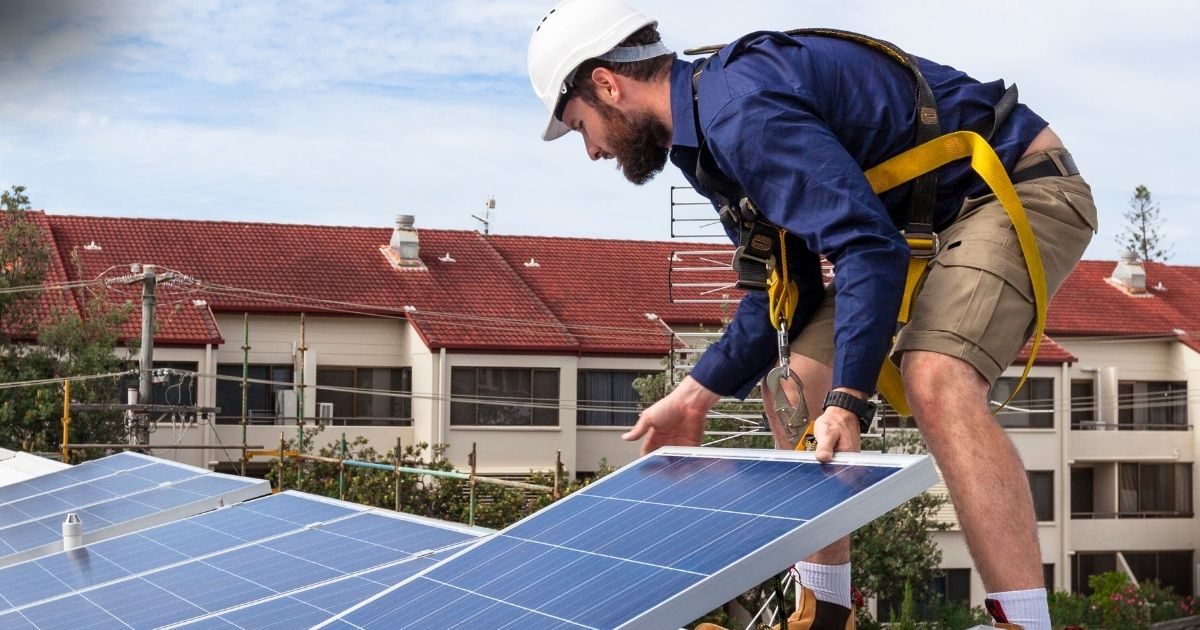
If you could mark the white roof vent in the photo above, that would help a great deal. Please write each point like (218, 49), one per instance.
(92, 247)
(1129, 275)
(532, 263)
(447, 258)
(404, 250)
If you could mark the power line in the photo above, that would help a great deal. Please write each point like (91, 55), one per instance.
(60, 379)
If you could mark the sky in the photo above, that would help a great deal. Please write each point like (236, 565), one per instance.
(348, 113)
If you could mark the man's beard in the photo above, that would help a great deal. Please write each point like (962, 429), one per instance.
(639, 143)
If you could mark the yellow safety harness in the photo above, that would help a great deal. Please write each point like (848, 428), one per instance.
(760, 242)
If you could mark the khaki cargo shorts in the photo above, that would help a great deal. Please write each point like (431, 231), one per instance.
(975, 302)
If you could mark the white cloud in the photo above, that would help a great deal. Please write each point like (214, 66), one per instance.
(348, 113)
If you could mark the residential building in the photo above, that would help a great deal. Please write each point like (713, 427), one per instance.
(522, 346)
(525, 347)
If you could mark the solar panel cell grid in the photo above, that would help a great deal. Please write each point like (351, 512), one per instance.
(705, 523)
(298, 556)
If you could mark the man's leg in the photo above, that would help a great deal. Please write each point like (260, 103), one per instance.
(827, 572)
(983, 473)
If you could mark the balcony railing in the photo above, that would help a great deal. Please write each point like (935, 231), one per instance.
(1130, 515)
(270, 419)
(1094, 425)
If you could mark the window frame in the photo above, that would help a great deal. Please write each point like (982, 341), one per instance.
(588, 417)
(401, 416)
(1036, 397)
(467, 404)
(1038, 510)
(234, 415)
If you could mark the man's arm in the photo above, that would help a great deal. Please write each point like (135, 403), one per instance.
(796, 170)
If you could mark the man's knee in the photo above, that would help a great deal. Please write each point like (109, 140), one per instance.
(936, 383)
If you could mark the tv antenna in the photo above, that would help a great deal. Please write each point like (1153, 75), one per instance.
(488, 209)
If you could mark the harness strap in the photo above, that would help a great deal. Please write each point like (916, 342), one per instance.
(924, 187)
(935, 154)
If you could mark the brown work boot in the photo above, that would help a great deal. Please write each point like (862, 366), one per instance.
(811, 615)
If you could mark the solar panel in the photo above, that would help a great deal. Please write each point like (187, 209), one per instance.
(655, 545)
(309, 606)
(220, 561)
(111, 496)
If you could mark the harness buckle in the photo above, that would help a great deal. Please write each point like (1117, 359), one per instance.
(753, 271)
(794, 419)
(922, 245)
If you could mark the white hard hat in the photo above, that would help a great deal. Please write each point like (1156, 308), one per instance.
(570, 34)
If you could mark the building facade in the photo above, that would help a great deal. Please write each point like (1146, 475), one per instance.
(525, 349)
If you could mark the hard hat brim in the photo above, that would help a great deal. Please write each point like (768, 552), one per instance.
(555, 129)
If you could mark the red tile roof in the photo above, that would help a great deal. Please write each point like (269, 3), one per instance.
(613, 292)
(1049, 353)
(1088, 305)
(475, 292)
(500, 293)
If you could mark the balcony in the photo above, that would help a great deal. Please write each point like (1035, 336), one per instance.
(1113, 445)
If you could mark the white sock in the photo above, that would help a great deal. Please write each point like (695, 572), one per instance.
(829, 582)
(1027, 608)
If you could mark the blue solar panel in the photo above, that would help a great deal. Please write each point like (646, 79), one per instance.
(120, 493)
(62, 573)
(654, 545)
(302, 553)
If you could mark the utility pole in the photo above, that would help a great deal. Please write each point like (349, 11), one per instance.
(146, 365)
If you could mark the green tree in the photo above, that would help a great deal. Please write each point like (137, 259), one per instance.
(898, 548)
(1142, 224)
(24, 258)
(36, 345)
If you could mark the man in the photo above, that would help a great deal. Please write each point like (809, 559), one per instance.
(794, 121)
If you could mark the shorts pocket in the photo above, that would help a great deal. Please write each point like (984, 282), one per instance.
(980, 294)
(1084, 207)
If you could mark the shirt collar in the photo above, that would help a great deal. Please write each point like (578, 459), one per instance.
(683, 107)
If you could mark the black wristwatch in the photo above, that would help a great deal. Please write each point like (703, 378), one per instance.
(864, 409)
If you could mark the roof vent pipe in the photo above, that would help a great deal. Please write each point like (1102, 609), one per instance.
(1129, 274)
(72, 531)
(405, 243)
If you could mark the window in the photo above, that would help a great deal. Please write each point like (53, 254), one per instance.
(1155, 490)
(607, 398)
(1083, 492)
(260, 397)
(1152, 405)
(1048, 576)
(1031, 408)
(1041, 484)
(1083, 404)
(1085, 565)
(167, 389)
(503, 397)
(361, 409)
(949, 586)
(1168, 568)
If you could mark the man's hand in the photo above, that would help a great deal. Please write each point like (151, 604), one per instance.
(676, 420)
(836, 430)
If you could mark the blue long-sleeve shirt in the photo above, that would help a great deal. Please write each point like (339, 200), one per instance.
(796, 123)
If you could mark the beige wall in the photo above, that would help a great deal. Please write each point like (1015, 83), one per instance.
(381, 342)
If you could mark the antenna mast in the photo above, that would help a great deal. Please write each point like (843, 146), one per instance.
(489, 206)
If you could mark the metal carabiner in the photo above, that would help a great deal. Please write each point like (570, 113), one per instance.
(793, 418)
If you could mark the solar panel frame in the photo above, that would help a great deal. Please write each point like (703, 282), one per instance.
(912, 475)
